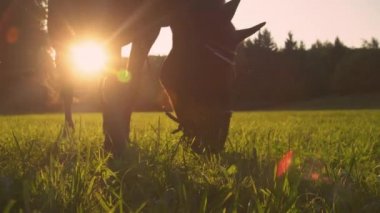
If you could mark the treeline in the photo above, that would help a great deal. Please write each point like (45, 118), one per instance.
(267, 75)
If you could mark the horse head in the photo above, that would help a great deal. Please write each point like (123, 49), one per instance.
(199, 71)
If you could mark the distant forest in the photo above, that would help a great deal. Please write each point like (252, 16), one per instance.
(266, 75)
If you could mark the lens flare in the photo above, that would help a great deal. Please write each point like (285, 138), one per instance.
(12, 35)
(123, 76)
(284, 164)
(89, 57)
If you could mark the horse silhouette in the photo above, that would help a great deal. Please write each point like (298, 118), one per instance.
(197, 74)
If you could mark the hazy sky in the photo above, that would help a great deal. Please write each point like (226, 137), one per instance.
(309, 20)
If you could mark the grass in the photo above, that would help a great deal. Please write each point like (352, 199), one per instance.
(335, 165)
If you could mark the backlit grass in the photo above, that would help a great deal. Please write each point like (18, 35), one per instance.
(335, 165)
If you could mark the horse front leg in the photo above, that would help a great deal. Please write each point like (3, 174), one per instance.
(67, 87)
(119, 95)
(67, 97)
(116, 116)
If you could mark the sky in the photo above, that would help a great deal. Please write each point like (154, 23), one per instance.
(351, 20)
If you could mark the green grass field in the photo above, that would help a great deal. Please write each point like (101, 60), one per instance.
(335, 165)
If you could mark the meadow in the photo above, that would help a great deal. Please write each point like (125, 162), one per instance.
(276, 161)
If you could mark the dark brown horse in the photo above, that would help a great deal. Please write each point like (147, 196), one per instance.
(197, 74)
(199, 71)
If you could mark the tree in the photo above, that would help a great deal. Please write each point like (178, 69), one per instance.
(373, 44)
(317, 45)
(264, 40)
(5, 7)
(4, 18)
(338, 51)
(290, 44)
(322, 45)
(302, 46)
(22, 47)
(22, 29)
(339, 44)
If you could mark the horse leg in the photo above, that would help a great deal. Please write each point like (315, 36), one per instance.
(67, 97)
(67, 90)
(119, 96)
(115, 122)
(139, 53)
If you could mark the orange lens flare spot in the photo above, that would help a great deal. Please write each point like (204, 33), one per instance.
(12, 35)
(284, 164)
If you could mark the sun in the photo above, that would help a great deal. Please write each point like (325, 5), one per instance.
(89, 57)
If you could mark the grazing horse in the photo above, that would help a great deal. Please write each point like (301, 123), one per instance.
(197, 73)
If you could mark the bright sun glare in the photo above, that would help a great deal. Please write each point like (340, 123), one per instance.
(89, 57)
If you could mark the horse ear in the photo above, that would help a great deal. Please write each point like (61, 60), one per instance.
(229, 9)
(245, 33)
